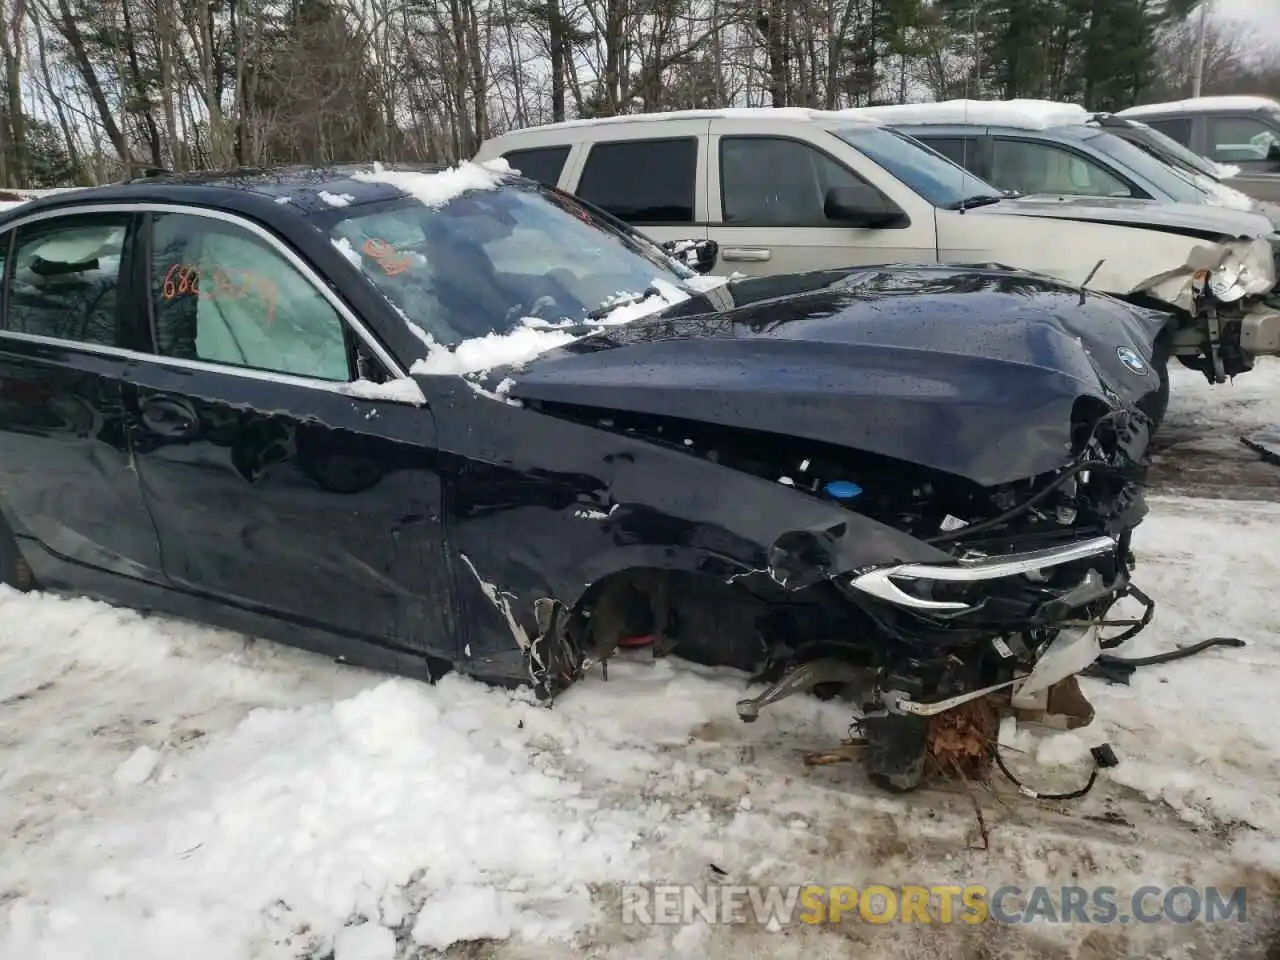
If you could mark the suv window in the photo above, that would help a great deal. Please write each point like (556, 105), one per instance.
(959, 150)
(1033, 168)
(223, 295)
(642, 181)
(1179, 128)
(539, 163)
(66, 278)
(775, 182)
(1241, 139)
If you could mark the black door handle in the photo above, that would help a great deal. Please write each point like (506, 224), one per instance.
(170, 417)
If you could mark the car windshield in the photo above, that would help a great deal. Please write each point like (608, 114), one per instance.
(1167, 179)
(927, 172)
(488, 260)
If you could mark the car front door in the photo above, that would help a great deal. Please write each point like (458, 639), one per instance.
(767, 193)
(270, 486)
(67, 339)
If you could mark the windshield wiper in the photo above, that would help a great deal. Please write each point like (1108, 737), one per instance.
(601, 312)
(979, 200)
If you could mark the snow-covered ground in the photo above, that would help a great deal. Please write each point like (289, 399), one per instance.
(172, 791)
(1199, 452)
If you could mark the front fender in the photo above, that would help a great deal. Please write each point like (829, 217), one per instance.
(522, 533)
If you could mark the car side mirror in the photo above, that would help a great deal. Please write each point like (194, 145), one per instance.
(862, 206)
(697, 255)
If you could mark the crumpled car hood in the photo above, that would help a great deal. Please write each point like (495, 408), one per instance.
(1205, 220)
(971, 371)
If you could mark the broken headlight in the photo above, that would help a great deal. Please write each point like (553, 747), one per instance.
(899, 584)
(1248, 270)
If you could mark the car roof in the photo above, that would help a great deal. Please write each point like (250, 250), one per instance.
(1202, 105)
(305, 190)
(1020, 114)
(750, 114)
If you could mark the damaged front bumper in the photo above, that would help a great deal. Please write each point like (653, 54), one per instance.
(1230, 311)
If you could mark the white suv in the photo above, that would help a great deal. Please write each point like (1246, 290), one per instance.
(790, 190)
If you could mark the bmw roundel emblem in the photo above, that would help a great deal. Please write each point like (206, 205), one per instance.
(1132, 360)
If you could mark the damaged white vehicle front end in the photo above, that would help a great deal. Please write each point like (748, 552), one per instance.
(1213, 270)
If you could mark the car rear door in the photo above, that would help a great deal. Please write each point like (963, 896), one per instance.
(767, 191)
(271, 488)
(68, 339)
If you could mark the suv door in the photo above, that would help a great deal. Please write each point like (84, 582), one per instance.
(767, 193)
(649, 181)
(68, 331)
(271, 488)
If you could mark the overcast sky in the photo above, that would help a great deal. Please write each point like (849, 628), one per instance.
(1264, 13)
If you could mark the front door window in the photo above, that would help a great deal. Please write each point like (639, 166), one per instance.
(223, 295)
(776, 182)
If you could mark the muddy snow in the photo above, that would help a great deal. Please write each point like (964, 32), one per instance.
(168, 790)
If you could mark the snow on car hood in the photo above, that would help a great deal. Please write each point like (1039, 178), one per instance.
(1193, 218)
(535, 336)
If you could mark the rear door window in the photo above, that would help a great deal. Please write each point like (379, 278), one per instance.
(65, 281)
(543, 164)
(643, 181)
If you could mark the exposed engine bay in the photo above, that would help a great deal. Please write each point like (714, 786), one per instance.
(1031, 573)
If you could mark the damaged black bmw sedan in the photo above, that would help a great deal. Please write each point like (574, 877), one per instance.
(456, 419)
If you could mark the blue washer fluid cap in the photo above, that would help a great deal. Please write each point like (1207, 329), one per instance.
(843, 489)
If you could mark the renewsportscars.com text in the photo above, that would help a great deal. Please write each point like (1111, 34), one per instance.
(774, 906)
